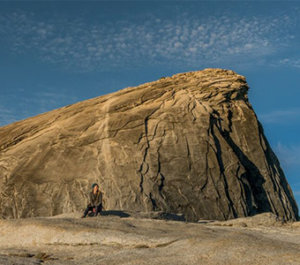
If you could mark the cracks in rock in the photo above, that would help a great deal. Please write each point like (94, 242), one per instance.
(13, 143)
(153, 202)
(159, 177)
(143, 134)
(218, 153)
(272, 204)
(191, 107)
(206, 167)
(229, 118)
(162, 177)
(161, 185)
(276, 173)
(123, 128)
(253, 175)
(144, 166)
(166, 243)
(141, 169)
(212, 179)
(257, 199)
(188, 153)
(246, 194)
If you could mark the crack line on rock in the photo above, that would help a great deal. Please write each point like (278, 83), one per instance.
(188, 153)
(218, 153)
(278, 185)
(145, 155)
(146, 136)
(253, 174)
(206, 167)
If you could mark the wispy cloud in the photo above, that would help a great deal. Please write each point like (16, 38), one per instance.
(288, 155)
(191, 41)
(293, 62)
(6, 116)
(281, 116)
(32, 105)
(44, 101)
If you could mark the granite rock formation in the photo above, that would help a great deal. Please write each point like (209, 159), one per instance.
(189, 144)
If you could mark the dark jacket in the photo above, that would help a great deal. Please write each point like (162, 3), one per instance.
(95, 199)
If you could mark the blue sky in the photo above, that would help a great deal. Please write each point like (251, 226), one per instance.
(55, 53)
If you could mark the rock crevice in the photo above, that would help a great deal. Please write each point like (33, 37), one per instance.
(190, 143)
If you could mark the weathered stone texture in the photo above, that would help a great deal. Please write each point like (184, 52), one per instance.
(190, 144)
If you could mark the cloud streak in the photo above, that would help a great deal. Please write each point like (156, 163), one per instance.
(281, 116)
(190, 41)
(6, 116)
(288, 155)
(293, 62)
(36, 103)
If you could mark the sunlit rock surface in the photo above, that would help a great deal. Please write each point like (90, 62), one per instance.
(135, 239)
(188, 144)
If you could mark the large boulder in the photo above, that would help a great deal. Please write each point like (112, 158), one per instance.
(190, 144)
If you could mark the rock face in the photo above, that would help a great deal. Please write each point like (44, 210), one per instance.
(190, 144)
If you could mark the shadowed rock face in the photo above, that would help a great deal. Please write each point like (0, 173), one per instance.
(190, 144)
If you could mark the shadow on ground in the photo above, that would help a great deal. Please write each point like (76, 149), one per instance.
(148, 215)
(115, 213)
(169, 216)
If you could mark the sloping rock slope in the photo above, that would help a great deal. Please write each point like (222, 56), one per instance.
(110, 240)
(190, 144)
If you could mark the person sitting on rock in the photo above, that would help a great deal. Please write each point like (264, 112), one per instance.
(95, 203)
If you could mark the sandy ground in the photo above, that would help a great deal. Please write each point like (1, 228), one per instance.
(132, 238)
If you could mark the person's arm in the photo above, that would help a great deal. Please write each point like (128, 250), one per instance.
(99, 199)
(92, 203)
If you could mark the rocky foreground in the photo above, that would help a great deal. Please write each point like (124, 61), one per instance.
(142, 238)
